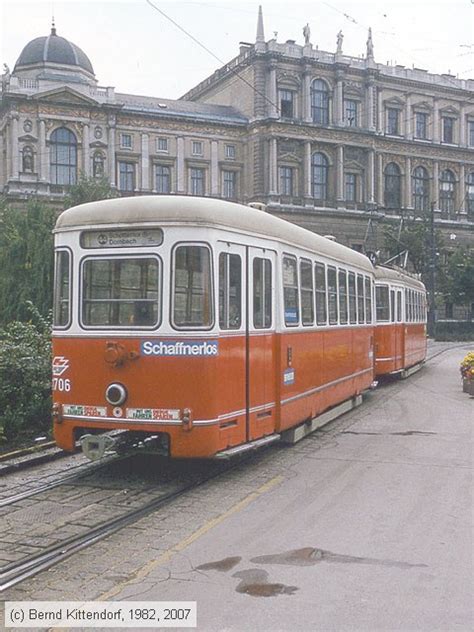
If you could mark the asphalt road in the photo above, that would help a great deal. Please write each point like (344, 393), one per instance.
(370, 530)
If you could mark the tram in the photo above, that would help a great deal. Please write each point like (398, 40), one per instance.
(400, 332)
(206, 326)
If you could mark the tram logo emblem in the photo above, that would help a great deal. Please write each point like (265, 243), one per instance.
(179, 348)
(60, 365)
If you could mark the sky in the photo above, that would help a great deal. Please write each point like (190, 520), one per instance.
(141, 49)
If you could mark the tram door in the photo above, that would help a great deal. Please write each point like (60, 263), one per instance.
(261, 387)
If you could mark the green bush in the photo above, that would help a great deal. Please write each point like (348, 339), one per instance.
(454, 330)
(25, 377)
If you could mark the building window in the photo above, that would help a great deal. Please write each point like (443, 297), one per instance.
(286, 181)
(286, 98)
(421, 184)
(319, 102)
(446, 193)
(98, 164)
(229, 182)
(230, 152)
(63, 152)
(162, 145)
(421, 125)
(470, 132)
(470, 194)
(393, 186)
(393, 120)
(27, 162)
(319, 176)
(126, 176)
(126, 141)
(197, 181)
(350, 187)
(197, 148)
(351, 113)
(448, 129)
(163, 179)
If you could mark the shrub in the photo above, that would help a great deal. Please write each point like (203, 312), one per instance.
(25, 377)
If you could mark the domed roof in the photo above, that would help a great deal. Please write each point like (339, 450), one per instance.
(53, 49)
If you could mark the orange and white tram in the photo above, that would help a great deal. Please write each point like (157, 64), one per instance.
(208, 325)
(400, 332)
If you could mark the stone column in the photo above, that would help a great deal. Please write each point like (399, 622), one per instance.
(380, 113)
(369, 106)
(436, 135)
(180, 175)
(43, 153)
(272, 105)
(408, 200)
(462, 128)
(435, 186)
(339, 100)
(371, 178)
(111, 155)
(214, 168)
(461, 192)
(15, 154)
(408, 119)
(380, 181)
(307, 96)
(340, 176)
(145, 179)
(307, 170)
(273, 166)
(86, 151)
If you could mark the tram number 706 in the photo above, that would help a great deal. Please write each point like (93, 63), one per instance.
(61, 384)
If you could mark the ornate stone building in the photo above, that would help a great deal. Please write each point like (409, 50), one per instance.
(336, 143)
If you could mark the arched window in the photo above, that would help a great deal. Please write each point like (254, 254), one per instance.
(470, 194)
(63, 153)
(421, 189)
(319, 102)
(28, 161)
(98, 164)
(393, 186)
(446, 193)
(319, 176)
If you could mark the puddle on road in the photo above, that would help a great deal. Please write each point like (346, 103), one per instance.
(255, 582)
(310, 556)
(226, 564)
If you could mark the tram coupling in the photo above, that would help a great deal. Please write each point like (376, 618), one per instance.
(123, 442)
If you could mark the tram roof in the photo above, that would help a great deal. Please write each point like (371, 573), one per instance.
(158, 210)
(397, 276)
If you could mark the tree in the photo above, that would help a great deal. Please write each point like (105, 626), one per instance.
(457, 279)
(89, 189)
(26, 260)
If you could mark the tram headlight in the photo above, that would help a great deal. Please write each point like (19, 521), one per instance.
(116, 394)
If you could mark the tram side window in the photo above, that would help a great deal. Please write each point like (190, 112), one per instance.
(320, 284)
(392, 302)
(360, 297)
(192, 305)
(290, 292)
(352, 298)
(262, 293)
(382, 303)
(399, 306)
(407, 306)
(62, 289)
(307, 293)
(343, 296)
(368, 300)
(332, 295)
(230, 291)
(120, 292)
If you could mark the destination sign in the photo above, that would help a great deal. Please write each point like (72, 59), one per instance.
(139, 238)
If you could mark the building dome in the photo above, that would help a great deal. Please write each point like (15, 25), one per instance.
(53, 50)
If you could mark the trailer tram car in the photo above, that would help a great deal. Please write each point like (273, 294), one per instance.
(210, 326)
(400, 332)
